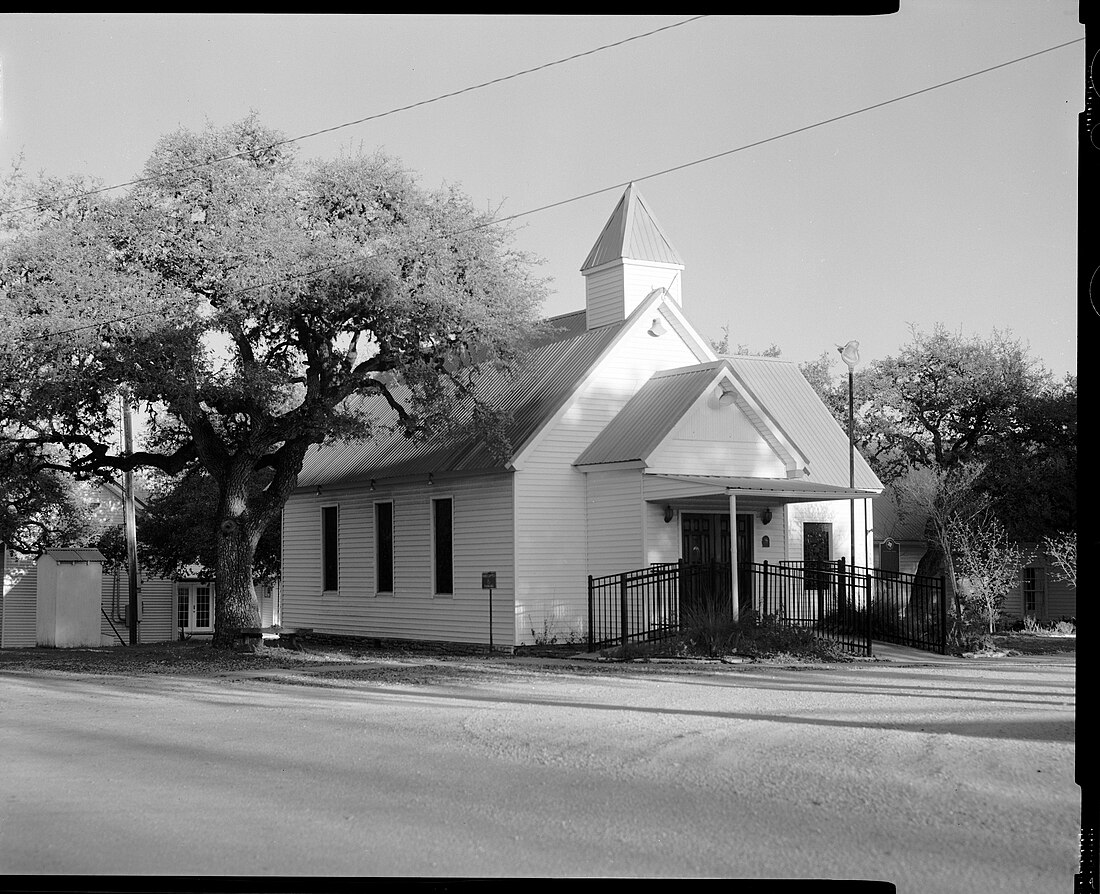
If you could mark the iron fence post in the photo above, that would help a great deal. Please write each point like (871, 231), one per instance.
(622, 608)
(943, 615)
(591, 615)
(867, 613)
(841, 587)
(681, 574)
(764, 593)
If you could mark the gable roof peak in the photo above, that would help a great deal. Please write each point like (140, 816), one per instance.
(632, 233)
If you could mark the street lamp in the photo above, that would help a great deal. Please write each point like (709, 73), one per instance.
(849, 353)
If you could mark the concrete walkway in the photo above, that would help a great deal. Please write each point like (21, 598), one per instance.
(906, 655)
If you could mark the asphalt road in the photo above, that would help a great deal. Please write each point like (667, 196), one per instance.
(956, 776)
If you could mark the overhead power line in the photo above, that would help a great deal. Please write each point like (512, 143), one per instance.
(788, 133)
(603, 189)
(394, 111)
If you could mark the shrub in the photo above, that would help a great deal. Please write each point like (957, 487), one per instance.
(771, 638)
(709, 629)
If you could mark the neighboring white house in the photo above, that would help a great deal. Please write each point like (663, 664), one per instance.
(167, 609)
(632, 443)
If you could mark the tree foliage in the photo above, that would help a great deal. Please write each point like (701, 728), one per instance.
(1062, 550)
(947, 402)
(944, 399)
(252, 305)
(40, 508)
(988, 562)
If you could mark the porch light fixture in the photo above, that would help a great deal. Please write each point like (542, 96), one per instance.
(431, 479)
(372, 486)
(766, 515)
(725, 394)
(318, 490)
(657, 329)
(669, 514)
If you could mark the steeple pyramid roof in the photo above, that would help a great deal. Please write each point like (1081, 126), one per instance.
(632, 232)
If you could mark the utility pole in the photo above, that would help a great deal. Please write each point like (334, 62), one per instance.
(130, 521)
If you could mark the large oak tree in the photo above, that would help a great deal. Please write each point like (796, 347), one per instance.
(251, 305)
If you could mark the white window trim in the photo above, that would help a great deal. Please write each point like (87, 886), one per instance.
(1038, 589)
(431, 522)
(393, 546)
(321, 551)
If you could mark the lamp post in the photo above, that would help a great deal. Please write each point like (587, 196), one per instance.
(849, 353)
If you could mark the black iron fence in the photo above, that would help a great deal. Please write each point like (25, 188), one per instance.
(845, 604)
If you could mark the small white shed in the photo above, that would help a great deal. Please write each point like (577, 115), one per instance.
(69, 597)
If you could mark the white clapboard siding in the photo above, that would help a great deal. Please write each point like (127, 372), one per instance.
(663, 539)
(613, 292)
(551, 527)
(157, 595)
(19, 616)
(615, 521)
(1059, 599)
(604, 291)
(838, 514)
(716, 441)
(483, 523)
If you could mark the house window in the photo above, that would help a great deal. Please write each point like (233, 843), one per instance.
(443, 546)
(1034, 590)
(383, 547)
(330, 551)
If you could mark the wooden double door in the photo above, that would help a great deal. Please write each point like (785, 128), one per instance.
(706, 539)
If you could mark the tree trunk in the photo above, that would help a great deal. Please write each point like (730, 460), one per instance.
(236, 605)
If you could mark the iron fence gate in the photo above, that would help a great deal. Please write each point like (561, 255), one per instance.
(847, 605)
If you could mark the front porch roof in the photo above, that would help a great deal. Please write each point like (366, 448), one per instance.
(664, 488)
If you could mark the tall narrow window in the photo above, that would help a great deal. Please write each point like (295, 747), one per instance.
(443, 545)
(330, 553)
(383, 546)
(1034, 591)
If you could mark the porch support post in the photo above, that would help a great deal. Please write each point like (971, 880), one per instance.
(733, 557)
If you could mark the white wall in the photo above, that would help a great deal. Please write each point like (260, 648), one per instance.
(483, 522)
(18, 613)
(616, 535)
(838, 514)
(713, 440)
(551, 530)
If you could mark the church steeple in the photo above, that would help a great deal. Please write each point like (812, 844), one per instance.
(632, 257)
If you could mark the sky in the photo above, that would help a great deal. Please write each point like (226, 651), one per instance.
(955, 206)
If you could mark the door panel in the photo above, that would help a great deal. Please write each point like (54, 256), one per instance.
(698, 545)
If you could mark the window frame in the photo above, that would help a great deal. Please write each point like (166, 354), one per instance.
(335, 545)
(1035, 588)
(435, 545)
(378, 589)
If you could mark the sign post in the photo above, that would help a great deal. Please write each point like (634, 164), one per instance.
(489, 582)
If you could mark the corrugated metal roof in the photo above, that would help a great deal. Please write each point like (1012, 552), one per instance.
(632, 232)
(548, 376)
(76, 555)
(649, 416)
(778, 386)
(890, 522)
